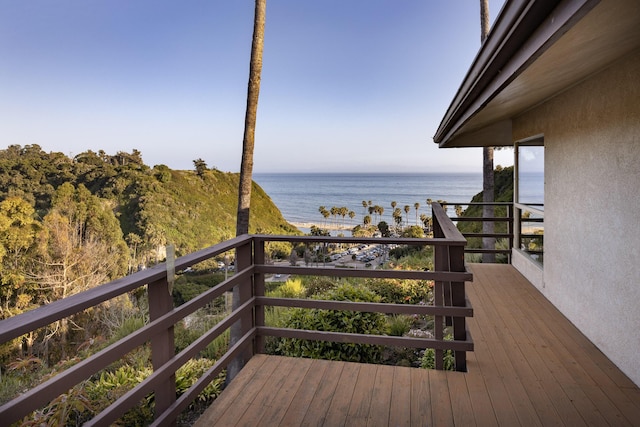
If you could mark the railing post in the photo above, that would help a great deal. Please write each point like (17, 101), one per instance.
(458, 299)
(510, 227)
(517, 227)
(258, 284)
(440, 263)
(241, 294)
(162, 344)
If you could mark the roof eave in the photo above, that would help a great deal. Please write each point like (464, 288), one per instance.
(522, 32)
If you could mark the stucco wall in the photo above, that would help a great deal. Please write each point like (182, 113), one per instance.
(592, 207)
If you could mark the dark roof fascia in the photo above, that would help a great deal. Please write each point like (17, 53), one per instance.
(522, 32)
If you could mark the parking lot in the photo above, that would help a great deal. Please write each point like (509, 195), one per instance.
(362, 256)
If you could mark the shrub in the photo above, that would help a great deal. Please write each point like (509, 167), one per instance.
(292, 288)
(318, 284)
(398, 291)
(429, 358)
(112, 385)
(335, 321)
(127, 327)
(399, 325)
(190, 372)
(184, 336)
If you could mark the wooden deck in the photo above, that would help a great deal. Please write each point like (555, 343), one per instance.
(530, 367)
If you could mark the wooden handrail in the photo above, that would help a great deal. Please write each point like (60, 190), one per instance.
(449, 276)
(370, 307)
(509, 219)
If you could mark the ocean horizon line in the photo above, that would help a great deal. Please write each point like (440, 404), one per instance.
(367, 173)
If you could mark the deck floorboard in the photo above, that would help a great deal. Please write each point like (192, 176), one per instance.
(530, 366)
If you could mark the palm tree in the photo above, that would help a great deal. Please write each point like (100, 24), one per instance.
(343, 213)
(487, 159)
(325, 214)
(417, 206)
(397, 217)
(246, 166)
(407, 209)
(352, 215)
(334, 213)
(425, 221)
(443, 203)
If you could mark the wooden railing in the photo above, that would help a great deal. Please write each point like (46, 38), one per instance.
(450, 307)
(507, 219)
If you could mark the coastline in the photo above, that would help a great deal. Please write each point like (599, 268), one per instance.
(323, 226)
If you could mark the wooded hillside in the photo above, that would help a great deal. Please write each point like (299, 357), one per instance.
(67, 224)
(503, 192)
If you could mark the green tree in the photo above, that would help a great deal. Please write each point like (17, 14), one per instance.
(248, 142)
(80, 246)
(487, 160)
(18, 229)
(416, 205)
(413, 231)
(383, 227)
(334, 213)
(407, 209)
(397, 217)
(201, 167)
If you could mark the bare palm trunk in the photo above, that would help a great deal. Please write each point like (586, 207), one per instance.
(246, 167)
(487, 161)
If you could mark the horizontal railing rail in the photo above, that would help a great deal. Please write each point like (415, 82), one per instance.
(508, 219)
(450, 307)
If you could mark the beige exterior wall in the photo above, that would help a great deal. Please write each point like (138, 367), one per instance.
(592, 207)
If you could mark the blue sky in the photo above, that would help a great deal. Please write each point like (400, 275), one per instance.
(351, 85)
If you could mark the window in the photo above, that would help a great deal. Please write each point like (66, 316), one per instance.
(529, 198)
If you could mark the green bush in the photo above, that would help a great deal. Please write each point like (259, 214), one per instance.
(429, 358)
(399, 325)
(184, 336)
(335, 321)
(127, 327)
(318, 284)
(112, 385)
(190, 372)
(398, 291)
(292, 288)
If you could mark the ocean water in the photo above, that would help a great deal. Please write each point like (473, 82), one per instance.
(300, 195)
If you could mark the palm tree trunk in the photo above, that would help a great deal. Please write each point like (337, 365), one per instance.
(248, 142)
(246, 167)
(487, 160)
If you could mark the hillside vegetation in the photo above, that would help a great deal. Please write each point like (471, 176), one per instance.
(67, 225)
(503, 192)
(154, 205)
